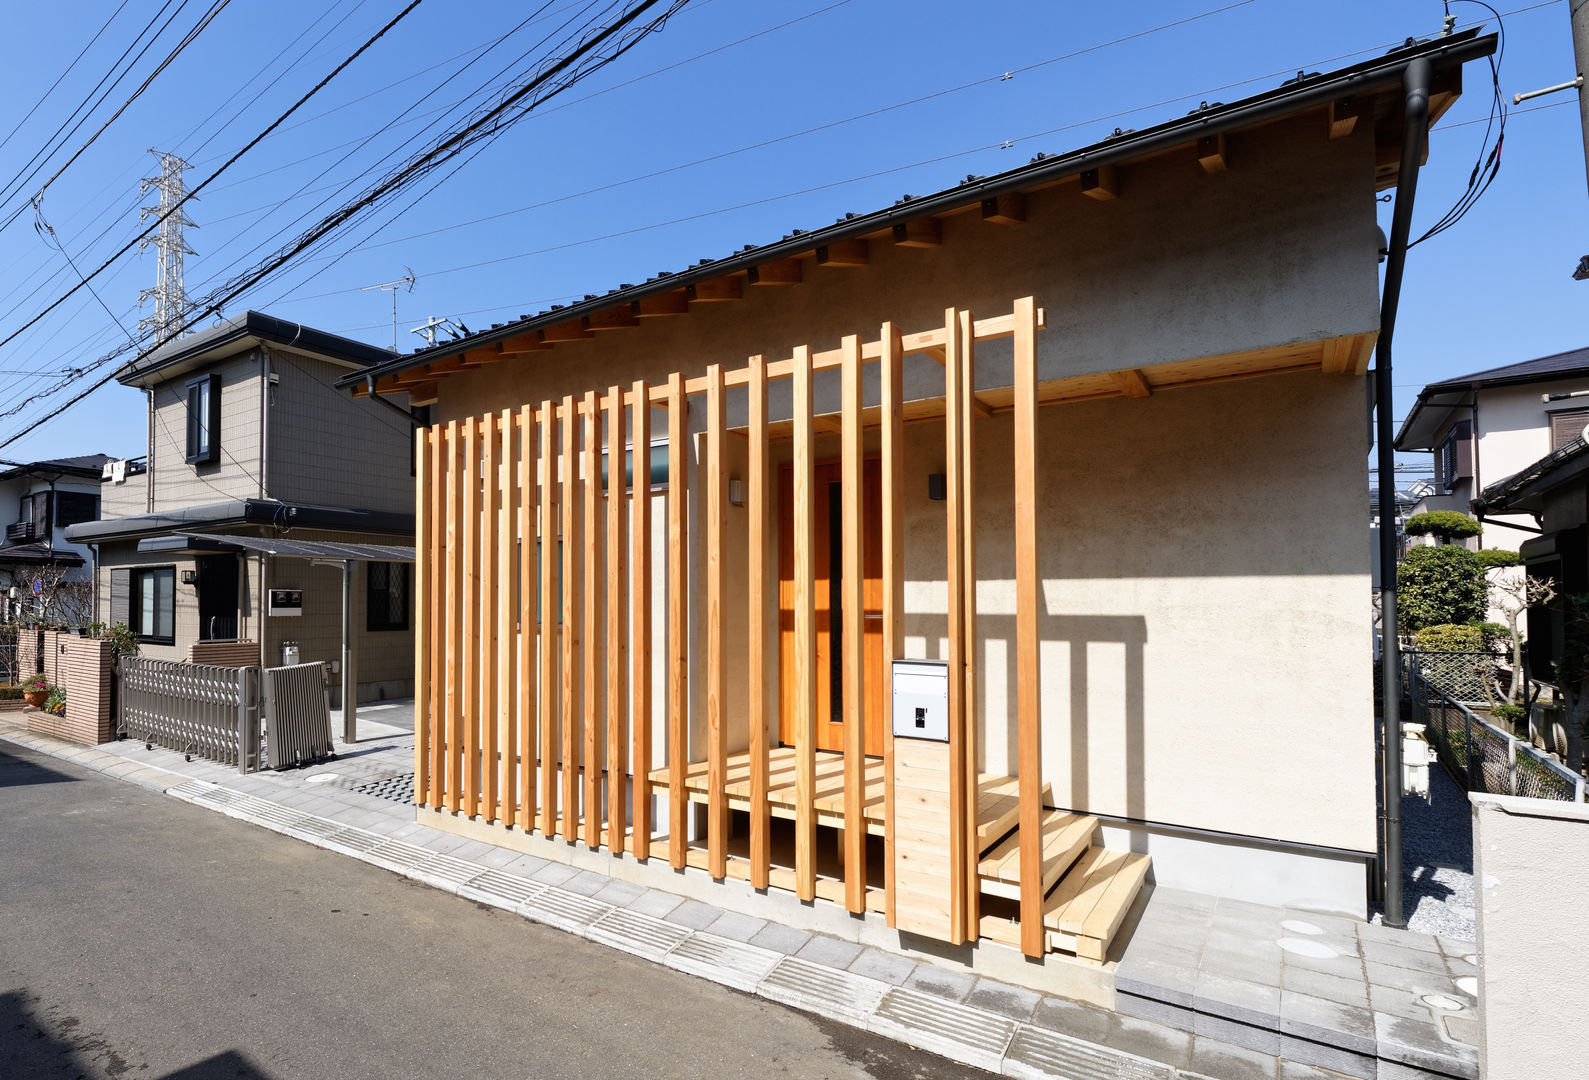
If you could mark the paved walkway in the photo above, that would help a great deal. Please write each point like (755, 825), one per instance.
(1205, 987)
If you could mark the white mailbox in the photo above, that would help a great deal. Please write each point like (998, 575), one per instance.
(921, 699)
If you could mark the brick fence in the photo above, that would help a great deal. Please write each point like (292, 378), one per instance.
(82, 668)
(28, 650)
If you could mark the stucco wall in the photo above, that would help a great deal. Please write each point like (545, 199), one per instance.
(1204, 659)
(1531, 865)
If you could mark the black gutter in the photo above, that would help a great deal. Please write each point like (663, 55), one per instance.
(254, 324)
(233, 512)
(1283, 101)
(375, 395)
(1416, 81)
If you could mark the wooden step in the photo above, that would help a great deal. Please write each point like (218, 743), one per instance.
(1086, 908)
(1065, 837)
(999, 807)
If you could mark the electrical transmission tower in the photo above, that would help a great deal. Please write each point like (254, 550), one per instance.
(170, 298)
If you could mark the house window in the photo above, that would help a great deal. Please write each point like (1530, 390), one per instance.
(386, 596)
(72, 507)
(152, 604)
(204, 419)
(1566, 426)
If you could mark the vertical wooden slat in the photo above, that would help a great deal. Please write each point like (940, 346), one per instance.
(1028, 706)
(424, 734)
(546, 618)
(890, 368)
(640, 576)
(852, 611)
(590, 623)
(805, 658)
(486, 642)
(569, 454)
(436, 613)
(678, 626)
(954, 439)
(526, 483)
(617, 699)
(756, 675)
(469, 693)
(454, 600)
(716, 676)
(968, 519)
(507, 736)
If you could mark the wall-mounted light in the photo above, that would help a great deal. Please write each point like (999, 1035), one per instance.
(937, 487)
(190, 577)
(736, 493)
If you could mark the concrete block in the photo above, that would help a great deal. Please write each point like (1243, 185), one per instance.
(1257, 1004)
(733, 925)
(780, 938)
(1177, 1017)
(829, 951)
(1213, 1058)
(1142, 1038)
(1418, 1043)
(1327, 1022)
(1262, 1040)
(655, 903)
(1147, 976)
(1381, 952)
(941, 982)
(1039, 1054)
(885, 966)
(1084, 1022)
(694, 914)
(1340, 1061)
(1003, 999)
(943, 1027)
(1353, 992)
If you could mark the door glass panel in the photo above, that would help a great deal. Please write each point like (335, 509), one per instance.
(836, 601)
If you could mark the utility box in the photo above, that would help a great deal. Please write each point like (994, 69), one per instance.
(289, 653)
(921, 700)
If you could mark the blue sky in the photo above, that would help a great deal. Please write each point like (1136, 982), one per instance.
(573, 207)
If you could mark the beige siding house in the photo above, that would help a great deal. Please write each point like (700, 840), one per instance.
(248, 436)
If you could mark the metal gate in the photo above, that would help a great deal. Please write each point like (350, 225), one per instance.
(297, 715)
(201, 710)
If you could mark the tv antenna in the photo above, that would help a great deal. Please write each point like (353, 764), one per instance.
(452, 327)
(392, 287)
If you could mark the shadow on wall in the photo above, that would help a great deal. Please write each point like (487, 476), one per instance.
(1075, 633)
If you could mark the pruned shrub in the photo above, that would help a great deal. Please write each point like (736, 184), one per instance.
(1438, 585)
(1449, 637)
(1491, 558)
(1448, 525)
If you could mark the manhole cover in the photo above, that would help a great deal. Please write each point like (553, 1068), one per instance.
(398, 789)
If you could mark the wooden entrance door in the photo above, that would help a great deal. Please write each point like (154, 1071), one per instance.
(829, 559)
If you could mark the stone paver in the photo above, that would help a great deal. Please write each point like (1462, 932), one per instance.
(954, 985)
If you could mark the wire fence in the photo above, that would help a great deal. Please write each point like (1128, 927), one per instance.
(1461, 676)
(1479, 755)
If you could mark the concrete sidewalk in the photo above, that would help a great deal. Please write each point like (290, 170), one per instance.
(1205, 987)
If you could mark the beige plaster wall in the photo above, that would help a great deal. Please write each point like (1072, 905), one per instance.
(1531, 866)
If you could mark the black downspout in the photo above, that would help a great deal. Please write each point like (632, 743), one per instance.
(1416, 83)
(369, 381)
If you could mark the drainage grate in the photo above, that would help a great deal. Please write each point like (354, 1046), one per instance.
(398, 789)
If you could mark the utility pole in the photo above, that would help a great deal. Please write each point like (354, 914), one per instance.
(1578, 12)
(169, 295)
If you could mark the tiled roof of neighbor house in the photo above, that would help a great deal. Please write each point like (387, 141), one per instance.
(1373, 87)
(1426, 419)
(88, 465)
(1522, 491)
(38, 554)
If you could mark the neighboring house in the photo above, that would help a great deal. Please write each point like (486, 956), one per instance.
(48, 496)
(1491, 424)
(1119, 649)
(248, 435)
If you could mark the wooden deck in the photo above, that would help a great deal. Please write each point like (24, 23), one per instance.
(781, 786)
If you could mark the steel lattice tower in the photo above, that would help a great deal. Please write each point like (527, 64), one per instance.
(170, 297)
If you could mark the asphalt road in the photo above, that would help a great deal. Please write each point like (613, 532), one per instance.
(141, 937)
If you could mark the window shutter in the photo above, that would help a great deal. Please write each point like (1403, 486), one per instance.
(1566, 426)
(120, 596)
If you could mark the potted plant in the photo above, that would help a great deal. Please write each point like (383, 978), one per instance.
(37, 691)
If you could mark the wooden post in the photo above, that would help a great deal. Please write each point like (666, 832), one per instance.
(591, 621)
(569, 827)
(617, 700)
(954, 462)
(756, 675)
(640, 688)
(486, 642)
(678, 623)
(890, 367)
(716, 677)
(546, 559)
(507, 740)
(805, 666)
(853, 613)
(423, 732)
(469, 696)
(454, 601)
(1028, 599)
(527, 619)
(968, 521)
(436, 612)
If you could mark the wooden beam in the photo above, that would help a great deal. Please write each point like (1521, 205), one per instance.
(486, 354)
(1342, 117)
(590, 622)
(568, 331)
(920, 233)
(528, 629)
(618, 318)
(422, 393)
(524, 343)
(778, 272)
(716, 674)
(640, 683)
(1006, 209)
(955, 429)
(756, 508)
(569, 546)
(805, 658)
(678, 622)
(1028, 598)
(1133, 383)
(547, 549)
(662, 304)
(843, 253)
(617, 698)
(486, 641)
(436, 613)
(716, 290)
(424, 733)
(980, 407)
(853, 612)
(455, 632)
(970, 779)
(891, 393)
(469, 694)
(1101, 183)
(1211, 153)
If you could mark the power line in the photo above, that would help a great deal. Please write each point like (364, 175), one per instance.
(69, 69)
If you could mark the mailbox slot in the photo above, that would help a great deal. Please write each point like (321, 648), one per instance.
(921, 700)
